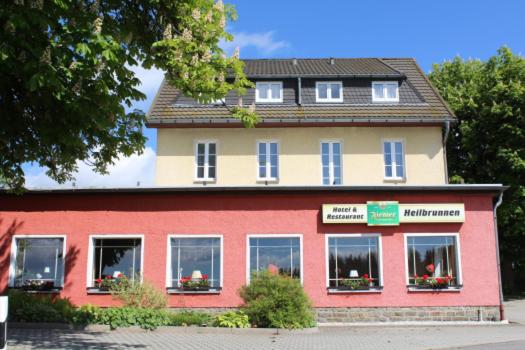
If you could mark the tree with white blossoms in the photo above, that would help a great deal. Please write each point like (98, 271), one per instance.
(66, 76)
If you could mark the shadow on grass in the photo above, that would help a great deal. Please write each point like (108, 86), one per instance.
(66, 339)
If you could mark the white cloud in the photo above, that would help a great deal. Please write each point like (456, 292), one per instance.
(263, 42)
(150, 79)
(126, 172)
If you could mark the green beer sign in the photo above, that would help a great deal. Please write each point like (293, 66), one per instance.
(383, 213)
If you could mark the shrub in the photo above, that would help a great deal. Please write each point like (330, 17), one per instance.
(139, 294)
(276, 301)
(189, 318)
(233, 319)
(24, 307)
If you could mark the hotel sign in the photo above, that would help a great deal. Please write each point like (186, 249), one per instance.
(392, 213)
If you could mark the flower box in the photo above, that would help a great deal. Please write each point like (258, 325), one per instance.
(39, 286)
(352, 288)
(195, 289)
(429, 286)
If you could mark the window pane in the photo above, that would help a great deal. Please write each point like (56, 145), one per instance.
(191, 254)
(263, 91)
(388, 171)
(391, 91)
(337, 175)
(273, 148)
(326, 175)
(398, 147)
(322, 91)
(337, 148)
(325, 148)
(282, 253)
(200, 172)
(111, 260)
(211, 160)
(273, 172)
(262, 171)
(353, 255)
(335, 91)
(273, 160)
(211, 172)
(399, 171)
(434, 256)
(378, 91)
(200, 148)
(276, 91)
(211, 148)
(262, 148)
(39, 259)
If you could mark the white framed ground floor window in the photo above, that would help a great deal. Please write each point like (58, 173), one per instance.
(37, 262)
(112, 256)
(354, 261)
(194, 262)
(432, 260)
(282, 253)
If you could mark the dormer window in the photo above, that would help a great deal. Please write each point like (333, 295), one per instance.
(329, 91)
(271, 92)
(385, 91)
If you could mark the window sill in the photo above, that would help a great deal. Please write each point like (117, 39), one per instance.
(394, 179)
(49, 291)
(92, 290)
(342, 290)
(450, 289)
(268, 181)
(204, 181)
(194, 291)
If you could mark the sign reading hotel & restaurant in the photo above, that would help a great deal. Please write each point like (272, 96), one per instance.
(384, 213)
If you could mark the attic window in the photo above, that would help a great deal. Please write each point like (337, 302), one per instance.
(385, 91)
(269, 91)
(329, 91)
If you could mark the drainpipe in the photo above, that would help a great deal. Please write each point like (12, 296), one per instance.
(496, 234)
(445, 138)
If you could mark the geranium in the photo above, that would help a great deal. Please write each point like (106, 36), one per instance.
(109, 283)
(186, 282)
(430, 268)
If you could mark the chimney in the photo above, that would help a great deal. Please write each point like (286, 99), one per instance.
(332, 61)
(294, 61)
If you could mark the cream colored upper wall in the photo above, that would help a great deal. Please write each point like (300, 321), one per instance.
(299, 154)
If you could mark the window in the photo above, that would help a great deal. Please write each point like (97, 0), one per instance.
(433, 256)
(331, 163)
(113, 255)
(268, 161)
(282, 254)
(206, 161)
(269, 92)
(352, 257)
(37, 261)
(385, 91)
(394, 157)
(331, 91)
(191, 254)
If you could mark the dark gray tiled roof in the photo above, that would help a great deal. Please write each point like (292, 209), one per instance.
(315, 67)
(426, 105)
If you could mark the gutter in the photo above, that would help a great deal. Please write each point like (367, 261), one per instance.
(445, 138)
(496, 236)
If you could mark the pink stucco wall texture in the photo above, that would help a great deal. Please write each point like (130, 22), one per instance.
(234, 215)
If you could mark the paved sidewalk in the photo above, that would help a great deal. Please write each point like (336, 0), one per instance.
(515, 311)
(363, 338)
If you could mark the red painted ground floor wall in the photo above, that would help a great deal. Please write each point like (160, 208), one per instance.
(237, 214)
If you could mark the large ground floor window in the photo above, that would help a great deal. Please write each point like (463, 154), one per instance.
(275, 253)
(354, 261)
(433, 260)
(195, 261)
(113, 257)
(38, 262)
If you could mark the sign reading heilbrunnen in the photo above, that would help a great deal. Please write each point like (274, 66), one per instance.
(392, 213)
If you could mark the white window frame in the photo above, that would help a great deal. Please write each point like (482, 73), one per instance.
(435, 234)
(329, 98)
(169, 257)
(385, 98)
(91, 255)
(283, 235)
(258, 99)
(268, 162)
(353, 235)
(331, 161)
(394, 176)
(14, 252)
(207, 143)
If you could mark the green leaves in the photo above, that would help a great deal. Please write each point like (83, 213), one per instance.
(66, 76)
(487, 144)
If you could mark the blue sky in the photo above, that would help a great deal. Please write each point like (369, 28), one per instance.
(429, 31)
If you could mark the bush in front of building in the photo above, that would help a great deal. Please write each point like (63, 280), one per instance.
(25, 307)
(232, 319)
(140, 294)
(273, 300)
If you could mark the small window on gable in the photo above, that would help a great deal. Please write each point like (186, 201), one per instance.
(329, 91)
(269, 91)
(385, 91)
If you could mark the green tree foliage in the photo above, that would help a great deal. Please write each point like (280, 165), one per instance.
(66, 78)
(276, 301)
(487, 144)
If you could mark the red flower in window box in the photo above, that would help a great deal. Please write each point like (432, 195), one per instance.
(430, 268)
